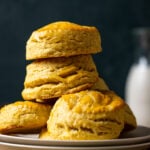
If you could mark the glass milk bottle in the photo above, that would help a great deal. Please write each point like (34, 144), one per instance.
(137, 90)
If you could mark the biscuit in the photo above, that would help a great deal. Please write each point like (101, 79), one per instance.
(23, 117)
(63, 39)
(87, 115)
(60, 70)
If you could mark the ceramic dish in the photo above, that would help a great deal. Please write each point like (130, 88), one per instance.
(139, 135)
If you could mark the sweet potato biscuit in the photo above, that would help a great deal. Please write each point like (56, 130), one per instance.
(23, 117)
(87, 115)
(53, 77)
(60, 70)
(62, 38)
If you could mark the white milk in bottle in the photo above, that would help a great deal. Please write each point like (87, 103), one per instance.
(137, 90)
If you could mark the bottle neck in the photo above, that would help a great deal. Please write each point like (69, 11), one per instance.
(142, 44)
(142, 53)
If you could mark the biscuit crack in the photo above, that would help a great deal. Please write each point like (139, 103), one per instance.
(107, 120)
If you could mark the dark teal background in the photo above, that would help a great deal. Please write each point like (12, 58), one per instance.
(115, 19)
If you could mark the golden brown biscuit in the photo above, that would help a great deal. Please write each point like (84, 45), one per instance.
(61, 39)
(51, 78)
(60, 70)
(87, 115)
(23, 117)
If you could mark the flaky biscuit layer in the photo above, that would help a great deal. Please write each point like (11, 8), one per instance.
(60, 70)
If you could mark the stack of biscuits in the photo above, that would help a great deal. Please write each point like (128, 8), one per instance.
(62, 61)
(63, 72)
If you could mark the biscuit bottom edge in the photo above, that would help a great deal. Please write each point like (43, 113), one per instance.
(80, 135)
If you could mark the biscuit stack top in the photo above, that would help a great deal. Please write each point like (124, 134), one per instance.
(63, 39)
(62, 61)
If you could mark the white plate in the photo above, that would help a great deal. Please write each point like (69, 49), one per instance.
(139, 135)
(10, 146)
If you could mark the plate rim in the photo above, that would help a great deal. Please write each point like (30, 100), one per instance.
(138, 145)
(34, 141)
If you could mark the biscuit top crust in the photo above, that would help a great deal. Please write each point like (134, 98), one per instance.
(104, 101)
(23, 105)
(45, 31)
(65, 25)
